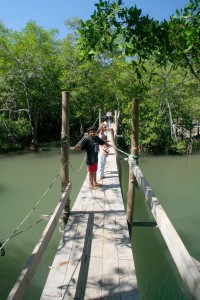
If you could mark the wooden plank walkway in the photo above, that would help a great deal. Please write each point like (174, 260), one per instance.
(94, 259)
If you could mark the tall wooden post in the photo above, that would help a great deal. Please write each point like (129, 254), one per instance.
(113, 143)
(65, 149)
(116, 123)
(134, 153)
(100, 116)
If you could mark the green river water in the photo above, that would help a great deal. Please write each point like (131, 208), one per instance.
(25, 177)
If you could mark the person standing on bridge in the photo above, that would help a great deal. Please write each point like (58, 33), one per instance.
(91, 146)
(103, 151)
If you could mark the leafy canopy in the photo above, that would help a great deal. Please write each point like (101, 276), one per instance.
(123, 30)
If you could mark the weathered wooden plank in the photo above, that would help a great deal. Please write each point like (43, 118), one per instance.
(94, 280)
(69, 250)
(97, 240)
(27, 273)
(122, 239)
(182, 258)
(80, 280)
(60, 264)
(110, 283)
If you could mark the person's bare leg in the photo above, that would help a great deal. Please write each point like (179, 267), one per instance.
(95, 180)
(91, 179)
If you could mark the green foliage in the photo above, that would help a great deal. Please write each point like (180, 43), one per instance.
(92, 85)
(178, 147)
(14, 134)
(184, 36)
(116, 28)
(120, 30)
(134, 56)
(30, 76)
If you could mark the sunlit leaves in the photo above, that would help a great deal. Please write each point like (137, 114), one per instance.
(184, 34)
(114, 27)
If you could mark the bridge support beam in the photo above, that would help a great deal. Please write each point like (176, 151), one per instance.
(65, 151)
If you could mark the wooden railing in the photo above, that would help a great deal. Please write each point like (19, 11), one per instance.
(27, 273)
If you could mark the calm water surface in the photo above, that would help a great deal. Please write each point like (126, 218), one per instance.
(175, 181)
(24, 178)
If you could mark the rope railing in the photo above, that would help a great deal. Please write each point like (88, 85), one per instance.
(80, 166)
(30, 213)
(15, 232)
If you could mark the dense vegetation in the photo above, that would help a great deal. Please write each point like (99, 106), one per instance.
(120, 54)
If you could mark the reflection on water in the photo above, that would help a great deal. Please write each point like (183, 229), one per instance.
(25, 177)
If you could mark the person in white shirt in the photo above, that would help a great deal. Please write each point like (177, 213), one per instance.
(103, 152)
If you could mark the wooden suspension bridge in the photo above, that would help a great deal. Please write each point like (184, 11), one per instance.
(94, 259)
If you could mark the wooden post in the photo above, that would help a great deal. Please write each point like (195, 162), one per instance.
(116, 123)
(64, 149)
(100, 115)
(113, 143)
(134, 153)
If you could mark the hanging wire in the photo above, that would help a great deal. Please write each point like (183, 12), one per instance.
(15, 233)
(32, 225)
(82, 139)
(96, 121)
(31, 211)
(121, 151)
(80, 166)
(135, 157)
